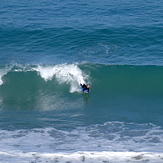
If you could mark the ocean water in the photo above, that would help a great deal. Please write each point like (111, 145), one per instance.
(49, 47)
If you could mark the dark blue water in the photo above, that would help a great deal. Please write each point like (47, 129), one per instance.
(47, 48)
(48, 32)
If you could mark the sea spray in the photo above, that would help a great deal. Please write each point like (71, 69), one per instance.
(69, 74)
(64, 73)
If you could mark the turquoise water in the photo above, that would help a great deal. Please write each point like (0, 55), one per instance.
(48, 48)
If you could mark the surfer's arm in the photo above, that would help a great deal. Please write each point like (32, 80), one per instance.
(82, 85)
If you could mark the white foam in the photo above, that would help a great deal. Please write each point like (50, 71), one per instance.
(111, 136)
(3, 72)
(80, 157)
(64, 73)
(109, 142)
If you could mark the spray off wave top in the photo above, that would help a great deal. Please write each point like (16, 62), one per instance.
(69, 74)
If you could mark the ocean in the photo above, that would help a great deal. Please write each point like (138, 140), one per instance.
(49, 47)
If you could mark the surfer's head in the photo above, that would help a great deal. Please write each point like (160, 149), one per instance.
(88, 86)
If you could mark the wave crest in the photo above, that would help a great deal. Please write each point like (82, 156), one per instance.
(64, 73)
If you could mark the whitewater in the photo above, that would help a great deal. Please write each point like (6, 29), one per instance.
(48, 48)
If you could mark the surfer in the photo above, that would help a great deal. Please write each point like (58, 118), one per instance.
(85, 88)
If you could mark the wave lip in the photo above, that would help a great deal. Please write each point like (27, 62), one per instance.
(64, 73)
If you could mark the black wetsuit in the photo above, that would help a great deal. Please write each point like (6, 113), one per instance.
(84, 88)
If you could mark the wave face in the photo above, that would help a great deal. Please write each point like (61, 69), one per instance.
(126, 93)
(122, 78)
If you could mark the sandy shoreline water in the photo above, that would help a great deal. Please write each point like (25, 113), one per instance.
(79, 157)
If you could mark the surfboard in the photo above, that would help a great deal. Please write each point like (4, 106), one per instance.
(86, 91)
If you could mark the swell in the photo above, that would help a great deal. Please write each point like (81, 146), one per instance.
(115, 45)
(112, 78)
(118, 92)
